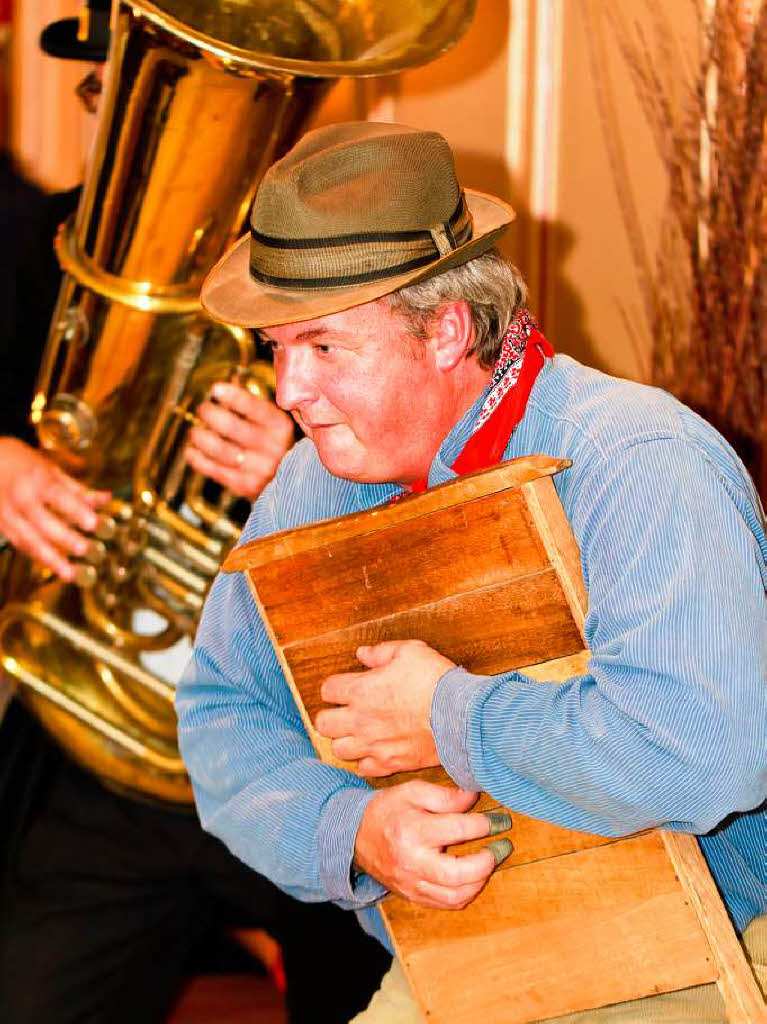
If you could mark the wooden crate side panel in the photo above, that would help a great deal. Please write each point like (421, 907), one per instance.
(510, 474)
(557, 536)
(521, 623)
(742, 996)
(455, 550)
(570, 933)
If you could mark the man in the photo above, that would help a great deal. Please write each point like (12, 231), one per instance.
(104, 900)
(403, 350)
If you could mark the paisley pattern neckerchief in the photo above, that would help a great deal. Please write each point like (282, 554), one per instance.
(523, 353)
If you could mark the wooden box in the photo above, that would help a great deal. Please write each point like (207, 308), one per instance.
(485, 569)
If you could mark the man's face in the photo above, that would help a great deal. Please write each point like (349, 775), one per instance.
(365, 391)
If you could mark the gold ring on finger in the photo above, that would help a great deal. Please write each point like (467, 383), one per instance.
(239, 458)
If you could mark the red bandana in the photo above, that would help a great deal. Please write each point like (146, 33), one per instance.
(523, 353)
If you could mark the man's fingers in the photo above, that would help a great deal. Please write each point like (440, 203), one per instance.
(223, 441)
(440, 799)
(348, 748)
(56, 531)
(447, 869)
(207, 466)
(244, 433)
(29, 540)
(446, 829)
(373, 656)
(335, 722)
(384, 757)
(97, 499)
(93, 498)
(73, 504)
(338, 689)
(254, 408)
(443, 897)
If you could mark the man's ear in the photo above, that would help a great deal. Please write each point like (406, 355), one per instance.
(452, 334)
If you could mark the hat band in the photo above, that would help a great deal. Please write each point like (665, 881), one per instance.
(328, 262)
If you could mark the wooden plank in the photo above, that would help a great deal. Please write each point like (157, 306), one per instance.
(557, 536)
(420, 561)
(559, 669)
(569, 933)
(524, 622)
(742, 996)
(280, 545)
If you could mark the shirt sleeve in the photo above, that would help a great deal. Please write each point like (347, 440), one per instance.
(258, 784)
(667, 727)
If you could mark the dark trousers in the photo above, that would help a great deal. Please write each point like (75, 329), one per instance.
(103, 899)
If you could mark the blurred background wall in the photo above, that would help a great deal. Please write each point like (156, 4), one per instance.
(519, 100)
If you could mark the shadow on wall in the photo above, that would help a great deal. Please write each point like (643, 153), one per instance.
(539, 248)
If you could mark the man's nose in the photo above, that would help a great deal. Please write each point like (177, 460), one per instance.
(294, 381)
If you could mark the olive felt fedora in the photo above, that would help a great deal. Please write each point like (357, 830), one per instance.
(353, 212)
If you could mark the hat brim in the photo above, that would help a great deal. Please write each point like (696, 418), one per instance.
(231, 295)
(59, 39)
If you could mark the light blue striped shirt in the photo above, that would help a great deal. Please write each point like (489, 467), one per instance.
(666, 729)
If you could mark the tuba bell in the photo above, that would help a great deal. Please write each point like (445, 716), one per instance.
(199, 98)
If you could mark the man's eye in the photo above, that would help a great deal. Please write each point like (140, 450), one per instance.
(323, 349)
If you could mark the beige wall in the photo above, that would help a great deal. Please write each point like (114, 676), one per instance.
(596, 309)
(517, 98)
(50, 131)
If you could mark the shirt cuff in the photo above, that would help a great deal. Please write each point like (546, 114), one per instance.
(450, 707)
(338, 826)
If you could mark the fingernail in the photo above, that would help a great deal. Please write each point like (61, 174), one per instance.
(500, 849)
(500, 821)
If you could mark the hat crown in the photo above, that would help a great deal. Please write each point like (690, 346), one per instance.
(358, 178)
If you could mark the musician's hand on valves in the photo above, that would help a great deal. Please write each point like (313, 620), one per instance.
(240, 439)
(384, 716)
(404, 831)
(43, 510)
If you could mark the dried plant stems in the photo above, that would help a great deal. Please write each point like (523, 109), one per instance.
(704, 294)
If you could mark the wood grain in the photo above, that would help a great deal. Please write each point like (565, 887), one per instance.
(570, 933)
(416, 562)
(465, 488)
(549, 517)
(523, 622)
(742, 996)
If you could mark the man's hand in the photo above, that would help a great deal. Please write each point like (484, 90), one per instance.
(401, 842)
(241, 441)
(384, 721)
(42, 509)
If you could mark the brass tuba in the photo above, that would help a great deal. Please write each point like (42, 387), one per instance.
(199, 98)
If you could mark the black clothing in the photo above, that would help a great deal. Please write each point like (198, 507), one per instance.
(29, 285)
(106, 898)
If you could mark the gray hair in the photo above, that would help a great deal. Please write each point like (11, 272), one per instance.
(492, 287)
